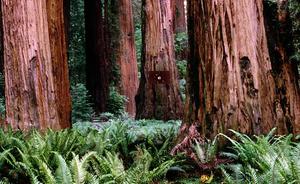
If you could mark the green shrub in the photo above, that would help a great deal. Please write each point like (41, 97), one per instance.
(181, 42)
(181, 66)
(81, 108)
(2, 107)
(115, 102)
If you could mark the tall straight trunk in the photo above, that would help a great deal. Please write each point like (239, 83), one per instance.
(58, 45)
(126, 57)
(1, 61)
(158, 95)
(180, 16)
(67, 14)
(1, 45)
(31, 91)
(278, 29)
(96, 54)
(231, 83)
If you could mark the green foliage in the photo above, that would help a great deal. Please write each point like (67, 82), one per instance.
(181, 42)
(2, 96)
(182, 86)
(77, 42)
(81, 108)
(205, 152)
(2, 107)
(182, 69)
(138, 45)
(181, 47)
(70, 156)
(113, 39)
(2, 84)
(137, 16)
(266, 159)
(294, 10)
(115, 102)
(115, 152)
(181, 66)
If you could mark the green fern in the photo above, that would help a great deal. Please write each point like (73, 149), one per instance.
(62, 173)
(265, 159)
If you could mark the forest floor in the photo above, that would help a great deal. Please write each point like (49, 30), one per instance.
(122, 150)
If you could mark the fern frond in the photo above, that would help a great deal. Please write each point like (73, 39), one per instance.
(46, 173)
(62, 173)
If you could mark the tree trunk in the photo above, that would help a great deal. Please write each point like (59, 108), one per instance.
(126, 57)
(1, 45)
(158, 95)
(278, 28)
(67, 14)
(180, 16)
(96, 54)
(58, 45)
(231, 83)
(31, 96)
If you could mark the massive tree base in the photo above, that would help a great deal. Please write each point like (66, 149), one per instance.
(232, 83)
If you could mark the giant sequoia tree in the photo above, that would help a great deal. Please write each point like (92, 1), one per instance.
(231, 82)
(126, 55)
(97, 63)
(158, 95)
(36, 78)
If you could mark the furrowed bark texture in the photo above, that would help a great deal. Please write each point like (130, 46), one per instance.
(180, 17)
(230, 83)
(126, 57)
(67, 14)
(1, 45)
(30, 92)
(58, 45)
(158, 96)
(96, 54)
(287, 97)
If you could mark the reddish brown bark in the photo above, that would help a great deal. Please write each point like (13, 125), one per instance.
(1, 45)
(158, 95)
(126, 57)
(31, 96)
(67, 9)
(230, 83)
(180, 16)
(97, 53)
(278, 28)
(58, 44)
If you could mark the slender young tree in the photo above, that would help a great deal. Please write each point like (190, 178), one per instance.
(158, 95)
(231, 81)
(31, 65)
(126, 55)
(97, 72)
